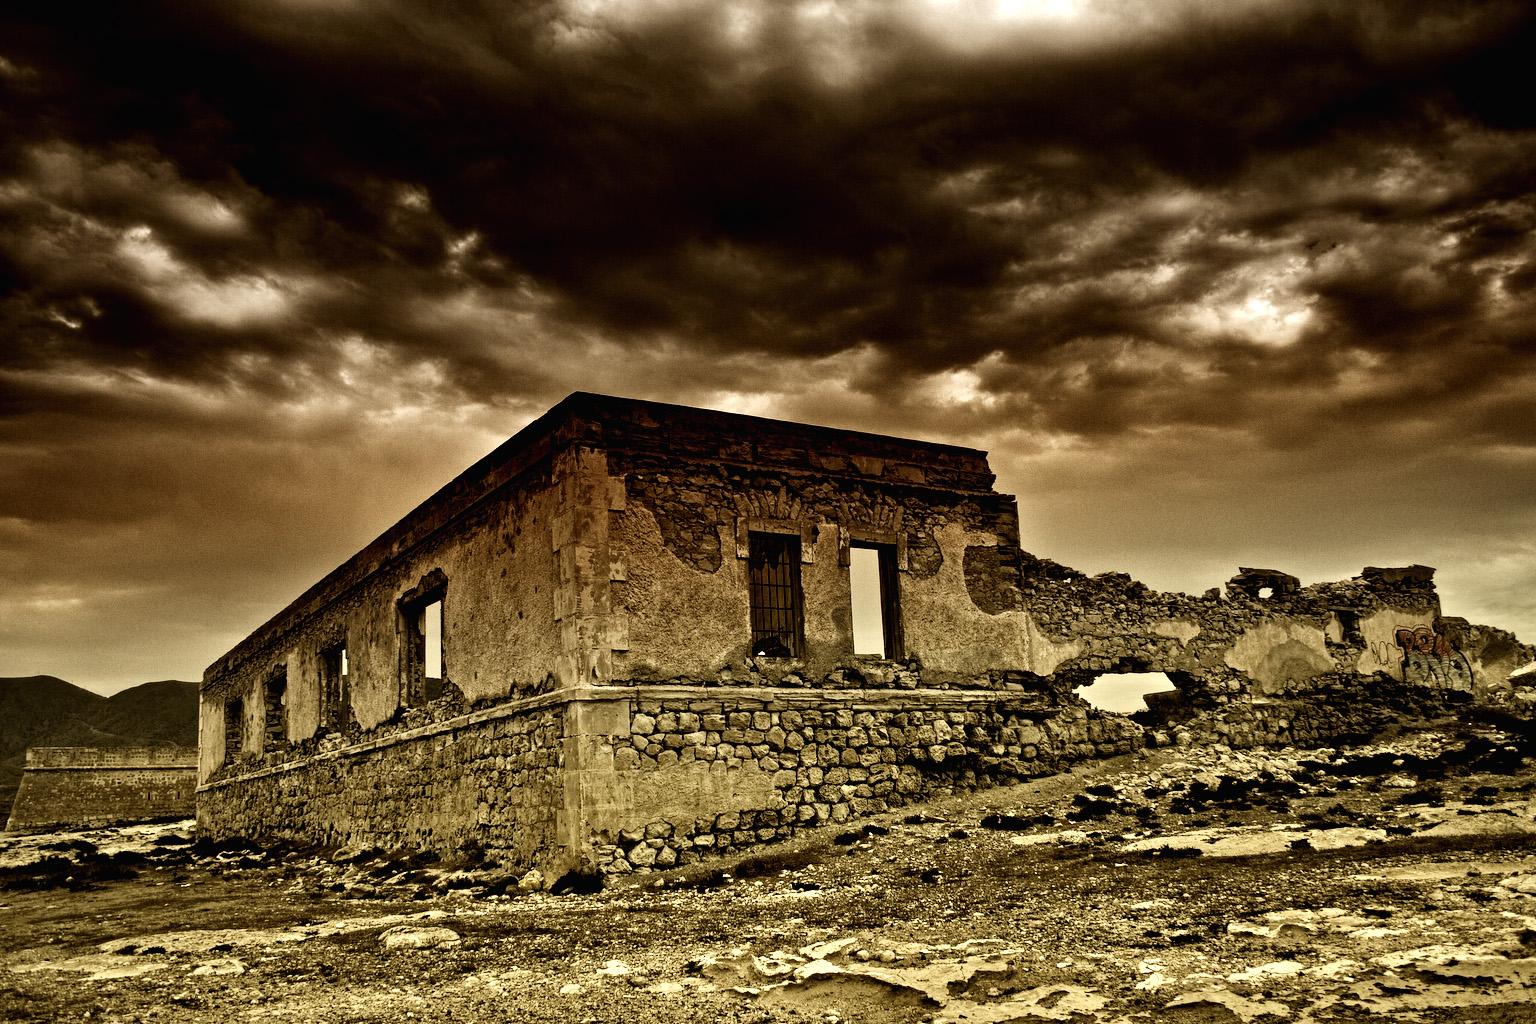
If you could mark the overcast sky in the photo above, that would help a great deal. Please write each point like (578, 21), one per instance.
(1216, 283)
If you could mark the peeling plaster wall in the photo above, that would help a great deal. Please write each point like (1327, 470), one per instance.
(945, 627)
(210, 736)
(1493, 655)
(684, 589)
(1181, 630)
(500, 634)
(681, 621)
(1379, 632)
(1279, 654)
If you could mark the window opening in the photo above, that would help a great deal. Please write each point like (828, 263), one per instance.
(422, 622)
(1349, 626)
(432, 654)
(778, 614)
(335, 691)
(234, 728)
(1124, 692)
(874, 589)
(276, 731)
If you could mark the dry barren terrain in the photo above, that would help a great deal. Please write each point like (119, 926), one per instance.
(1391, 880)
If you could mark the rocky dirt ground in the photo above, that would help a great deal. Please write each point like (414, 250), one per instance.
(1393, 880)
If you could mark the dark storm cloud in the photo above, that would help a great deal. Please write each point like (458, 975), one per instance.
(338, 243)
(654, 177)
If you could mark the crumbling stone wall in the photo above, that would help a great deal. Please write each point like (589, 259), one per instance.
(1219, 648)
(79, 787)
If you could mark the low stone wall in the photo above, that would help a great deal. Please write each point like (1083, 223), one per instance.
(703, 770)
(1327, 710)
(490, 780)
(81, 787)
(751, 766)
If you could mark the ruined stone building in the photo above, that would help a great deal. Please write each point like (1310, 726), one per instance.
(638, 633)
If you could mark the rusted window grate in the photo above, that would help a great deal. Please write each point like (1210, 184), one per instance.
(778, 618)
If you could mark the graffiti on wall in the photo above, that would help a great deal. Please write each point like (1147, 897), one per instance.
(1431, 658)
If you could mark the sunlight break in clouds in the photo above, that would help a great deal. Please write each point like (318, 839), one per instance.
(236, 301)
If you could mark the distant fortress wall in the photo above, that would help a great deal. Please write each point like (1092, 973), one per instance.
(73, 787)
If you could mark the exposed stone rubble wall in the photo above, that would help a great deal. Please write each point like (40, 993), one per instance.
(68, 787)
(1239, 647)
(702, 770)
(491, 780)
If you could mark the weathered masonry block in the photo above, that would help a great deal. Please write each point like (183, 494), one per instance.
(637, 634)
(87, 787)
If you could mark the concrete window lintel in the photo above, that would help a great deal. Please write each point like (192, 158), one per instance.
(802, 528)
(850, 533)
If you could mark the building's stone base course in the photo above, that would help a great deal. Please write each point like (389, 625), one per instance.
(775, 762)
(486, 782)
(834, 763)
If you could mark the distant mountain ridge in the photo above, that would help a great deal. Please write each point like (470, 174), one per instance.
(45, 711)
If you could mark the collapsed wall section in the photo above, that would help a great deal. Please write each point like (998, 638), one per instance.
(87, 787)
(1269, 637)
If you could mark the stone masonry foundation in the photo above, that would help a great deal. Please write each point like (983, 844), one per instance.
(626, 778)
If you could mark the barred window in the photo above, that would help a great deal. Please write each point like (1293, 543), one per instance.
(778, 617)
